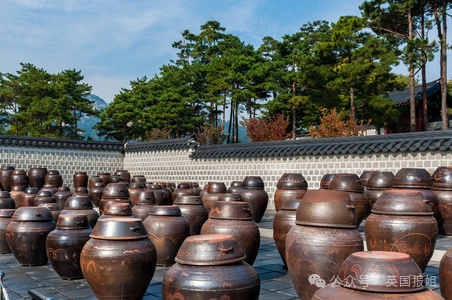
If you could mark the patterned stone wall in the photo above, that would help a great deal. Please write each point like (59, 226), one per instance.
(67, 162)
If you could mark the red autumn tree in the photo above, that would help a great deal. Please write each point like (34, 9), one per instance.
(274, 129)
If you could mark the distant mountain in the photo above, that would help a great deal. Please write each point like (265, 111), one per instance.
(243, 137)
(87, 122)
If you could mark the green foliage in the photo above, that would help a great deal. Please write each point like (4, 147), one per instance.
(209, 134)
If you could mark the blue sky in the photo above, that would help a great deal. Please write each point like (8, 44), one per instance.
(114, 41)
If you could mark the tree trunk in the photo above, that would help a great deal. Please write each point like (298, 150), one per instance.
(224, 112)
(294, 114)
(424, 79)
(412, 99)
(352, 103)
(444, 109)
(230, 122)
(237, 122)
(15, 117)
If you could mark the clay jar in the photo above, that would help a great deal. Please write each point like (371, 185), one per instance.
(167, 230)
(234, 218)
(365, 276)
(324, 236)
(95, 192)
(81, 205)
(5, 218)
(114, 192)
(326, 180)
(402, 221)
(204, 190)
(144, 204)
(211, 267)
(64, 245)
(235, 187)
(119, 259)
(54, 209)
(27, 233)
(43, 197)
(104, 177)
(49, 187)
(214, 191)
(352, 184)
(80, 179)
(36, 177)
(62, 195)
(139, 178)
(6, 202)
(377, 183)
(253, 193)
(290, 186)
(196, 188)
(421, 181)
(54, 177)
(115, 179)
(28, 196)
(183, 189)
(124, 174)
(445, 275)
(19, 178)
(117, 209)
(16, 194)
(161, 197)
(193, 211)
(283, 222)
(442, 186)
(365, 177)
(5, 177)
(134, 189)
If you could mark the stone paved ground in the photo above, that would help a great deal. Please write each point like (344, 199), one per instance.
(275, 280)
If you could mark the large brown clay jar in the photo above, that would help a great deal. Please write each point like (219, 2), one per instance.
(144, 204)
(204, 190)
(54, 209)
(326, 180)
(6, 202)
(92, 180)
(445, 275)
(49, 187)
(5, 218)
(54, 177)
(114, 192)
(19, 178)
(290, 186)
(365, 177)
(352, 184)
(62, 195)
(80, 179)
(105, 177)
(124, 174)
(376, 275)
(234, 218)
(211, 267)
(193, 211)
(214, 191)
(27, 233)
(5, 177)
(402, 221)
(324, 236)
(196, 188)
(36, 177)
(377, 183)
(96, 191)
(116, 179)
(138, 178)
(161, 197)
(16, 194)
(64, 245)
(28, 196)
(442, 186)
(283, 222)
(81, 205)
(118, 262)
(167, 230)
(253, 193)
(235, 187)
(134, 189)
(43, 197)
(183, 189)
(117, 210)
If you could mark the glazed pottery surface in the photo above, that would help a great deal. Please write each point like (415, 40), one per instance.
(283, 222)
(54, 177)
(445, 275)
(326, 180)
(116, 191)
(402, 221)
(253, 193)
(54, 209)
(117, 209)
(5, 218)
(124, 174)
(144, 205)
(138, 178)
(183, 189)
(93, 180)
(43, 197)
(6, 202)
(412, 178)
(167, 230)
(104, 177)
(214, 191)
(134, 189)
(290, 186)
(62, 195)
(194, 211)
(19, 178)
(81, 205)
(27, 233)
(80, 179)
(96, 192)
(49, 187)
(28, 196)
(118, 262)
(365, 177)
(16, 194)
(64, 245)
(5, 177)
(235, 187)
(36, 177)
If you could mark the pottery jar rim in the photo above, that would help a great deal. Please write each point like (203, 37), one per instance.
(32, 214)
(7, 213)
(166, 210)
(119, 228)
(230, 197)
(188, 200)
(402, 202)
(72, 221)
(231, 210)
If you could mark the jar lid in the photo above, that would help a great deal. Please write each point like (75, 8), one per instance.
(145, 197)
(18, 188)
(32, 214)
(412, 178)
(346, 182)
(216, 188)
(230, 210)
(80, 173)
(291, 204)
(236, 184)
(442, 178)
(106, 173)
(117, 209)
(53, 172)
(72, 221)
(365, 177)
(6, 167)
(165, 210)
(99, 184)
(5, 194)
(44, 194)
(292, 181)
(119, 228)
(210, 250)
(188, 200)
(19, 172)
(155, 187)
(381, 271)
(230, 197)
(64, 189)
(136, 185)
(78, 202)
(115, 179)
(380, 180)
(402, 202)
(7, 213)
(115, 190)
(326, 208)
(253, 182)
(31, 191)
(50, 206)
(326, 180)
(81, 190)
(183, 185)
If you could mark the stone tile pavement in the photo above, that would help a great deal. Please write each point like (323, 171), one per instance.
(275, 280)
